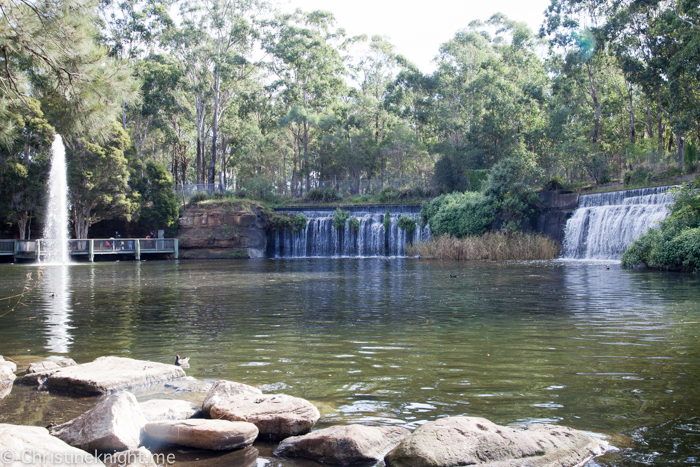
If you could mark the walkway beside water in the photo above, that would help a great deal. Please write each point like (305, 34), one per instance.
(119, 248)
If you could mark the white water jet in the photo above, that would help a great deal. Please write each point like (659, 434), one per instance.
(56, 229)
(605, 224)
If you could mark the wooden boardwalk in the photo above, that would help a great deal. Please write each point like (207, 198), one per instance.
(126, 248)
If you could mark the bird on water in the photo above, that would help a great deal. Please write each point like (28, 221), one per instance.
(182, 361)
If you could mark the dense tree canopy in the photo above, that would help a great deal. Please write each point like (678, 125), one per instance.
(235, 95)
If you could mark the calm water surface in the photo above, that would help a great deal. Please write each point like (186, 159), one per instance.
(390, 342)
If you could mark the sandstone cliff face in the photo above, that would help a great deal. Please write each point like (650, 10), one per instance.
(222, 231)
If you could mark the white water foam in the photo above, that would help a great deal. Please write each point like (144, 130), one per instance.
(605, 224)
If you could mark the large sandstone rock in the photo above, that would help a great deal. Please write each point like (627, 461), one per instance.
(43, 449)
(140, 457)
(11, 365)
(223, 389)
(157, 410)
(222, 231)
(115, 424)
(43, 366)
(218, 435)
(38, 372)
(7, 378)
(109, 374)
(476, 441)
(277, 416)
(343, 445)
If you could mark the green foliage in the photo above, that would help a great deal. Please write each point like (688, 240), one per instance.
(354, 223)
(258, 187)
(387, 221)
(97, 180)
(599, 169)
(460, 214)
(339, 218)
(509, 191)
(554, 184)
(322, 195)
(198, 197)
(675, 244)
(159, 204)
(406, 223)
(285, 221)
(691, 156)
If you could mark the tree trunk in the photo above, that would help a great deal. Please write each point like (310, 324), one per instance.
(632, 134)
(680, 146)
(22, 225)
(650, 127)
(660, 121)
(215, 120)
(199, 158)
(594, 95)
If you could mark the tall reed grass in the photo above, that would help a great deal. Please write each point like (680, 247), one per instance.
(488, 247)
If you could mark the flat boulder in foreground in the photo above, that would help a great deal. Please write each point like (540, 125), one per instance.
(109, 374)
(458, 441)
(115, 424)
(223, 389)
(40, 447)
(277, 416)
(217, 435)
(343, 445)
(157, 410)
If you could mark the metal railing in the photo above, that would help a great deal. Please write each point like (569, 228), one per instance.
(299, 188)
(7, 247)
(36, 249)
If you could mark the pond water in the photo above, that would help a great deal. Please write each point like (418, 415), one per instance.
(389, 342)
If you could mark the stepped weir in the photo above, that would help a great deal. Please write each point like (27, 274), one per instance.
(321, 239)
(605, 224)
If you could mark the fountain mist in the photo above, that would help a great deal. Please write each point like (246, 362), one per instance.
(56, 229)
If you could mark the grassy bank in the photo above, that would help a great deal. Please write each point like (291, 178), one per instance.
(488, 247)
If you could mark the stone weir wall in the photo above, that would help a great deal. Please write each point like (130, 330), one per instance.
(222, 232)
(558, 208)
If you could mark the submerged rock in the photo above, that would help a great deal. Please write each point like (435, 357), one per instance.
(7, 378)
(458, 441)
(222, 390)
(188, 384)
(343, 445)
(140, 457)
(42, 449)
(61, 361)
(109, 374)
(157, 410)
(115, 424)
(218, 435)
(277, 416)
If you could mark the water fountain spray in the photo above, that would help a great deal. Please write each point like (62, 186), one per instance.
(56, 227)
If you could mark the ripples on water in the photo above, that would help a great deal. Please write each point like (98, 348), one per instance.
(399, 342)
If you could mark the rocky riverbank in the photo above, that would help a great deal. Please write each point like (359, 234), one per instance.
(128, 424)
(222, 230)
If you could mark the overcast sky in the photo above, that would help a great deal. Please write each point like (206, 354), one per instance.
(418, 28)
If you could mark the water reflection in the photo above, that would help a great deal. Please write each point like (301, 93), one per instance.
(58, 309)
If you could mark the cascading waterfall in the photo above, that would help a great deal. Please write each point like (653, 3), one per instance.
(55, 241)
(321, 239)
(605, 224)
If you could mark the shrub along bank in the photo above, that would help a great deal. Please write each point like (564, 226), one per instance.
(675, 244)
(463, 223)
(507, 202)
(490, 246)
